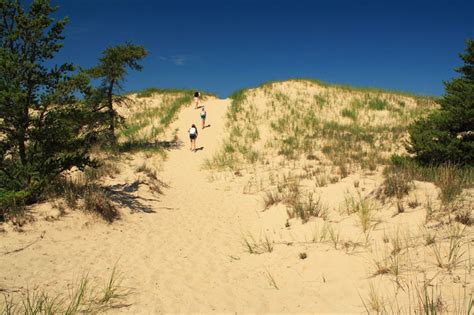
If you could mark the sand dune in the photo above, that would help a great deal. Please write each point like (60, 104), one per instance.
(188, 254)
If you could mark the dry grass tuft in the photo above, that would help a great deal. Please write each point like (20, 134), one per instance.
(305, 209)
(264, 245)
(96, 201)
(83, 298)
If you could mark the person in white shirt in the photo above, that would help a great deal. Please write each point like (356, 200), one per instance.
(193, 133)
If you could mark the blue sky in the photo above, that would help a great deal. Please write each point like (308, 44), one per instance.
(225, 45)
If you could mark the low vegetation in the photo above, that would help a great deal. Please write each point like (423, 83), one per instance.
(150, 119)
(84, 297)
(301, 121)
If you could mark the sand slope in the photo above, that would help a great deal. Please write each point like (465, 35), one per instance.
(185, 256)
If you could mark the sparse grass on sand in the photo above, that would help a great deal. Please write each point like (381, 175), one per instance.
(300, 120)
(155, 111)
(295, 139)
(84, 297)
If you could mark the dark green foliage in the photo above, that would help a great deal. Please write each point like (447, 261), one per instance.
(44, 129)
(447, 135)
(111, 70)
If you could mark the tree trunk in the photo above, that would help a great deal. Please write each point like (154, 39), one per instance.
(21, 146)
(24, 123)
(111, 112)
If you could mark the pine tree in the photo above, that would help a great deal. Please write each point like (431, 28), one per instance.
(447, 135)
(44, 128)
(112, 70)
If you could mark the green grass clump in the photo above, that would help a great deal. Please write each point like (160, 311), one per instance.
(349, 113)
(451, 181)
(238, 98)
(223, 160)
(173, 109)
(377, 104)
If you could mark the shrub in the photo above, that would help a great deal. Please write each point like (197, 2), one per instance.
(446, 135)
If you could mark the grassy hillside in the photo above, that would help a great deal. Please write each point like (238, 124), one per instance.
(300, 120)
(149, 114)
(322, 155)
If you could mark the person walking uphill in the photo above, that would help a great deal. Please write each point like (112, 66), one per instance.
(203, 117)
(197, 96)
(193, 133)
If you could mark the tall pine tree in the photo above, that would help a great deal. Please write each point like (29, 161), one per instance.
(111, 70)
(44, 128)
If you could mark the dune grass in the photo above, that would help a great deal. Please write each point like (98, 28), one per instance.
(83, 192)
(341, 123)
(347, 87)
(149, 92)
(305, 208)
(150, 122)
(323, 133)
(254, 246)
(451, 180)
(84, 297)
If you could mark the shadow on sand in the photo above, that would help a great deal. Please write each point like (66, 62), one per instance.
(122, 194)
(157, 146)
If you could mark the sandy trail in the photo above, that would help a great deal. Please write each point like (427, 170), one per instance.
(192, 235)
(195, 243)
